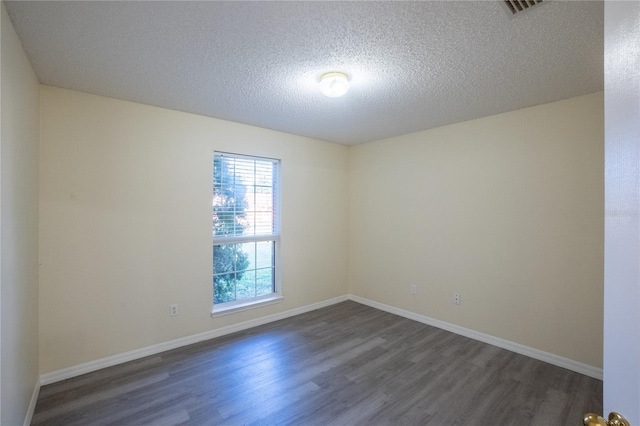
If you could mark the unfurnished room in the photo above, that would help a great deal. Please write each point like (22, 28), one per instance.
(320, 213)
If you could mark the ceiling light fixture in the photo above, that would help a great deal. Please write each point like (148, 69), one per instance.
(334, 84)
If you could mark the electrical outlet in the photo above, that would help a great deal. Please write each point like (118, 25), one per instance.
(456, 298)
(414, 289)
(173, 310)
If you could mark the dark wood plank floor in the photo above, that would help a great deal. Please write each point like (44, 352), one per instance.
(347, 364)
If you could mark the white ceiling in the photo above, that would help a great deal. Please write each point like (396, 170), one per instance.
(413, 65)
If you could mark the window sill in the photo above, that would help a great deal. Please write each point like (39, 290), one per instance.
(219, 311)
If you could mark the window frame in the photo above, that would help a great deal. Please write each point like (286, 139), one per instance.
(268, 299)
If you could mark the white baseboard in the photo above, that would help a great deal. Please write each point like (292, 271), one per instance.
(77, 370)
(98, 364)
(550, 358)
(32, 404)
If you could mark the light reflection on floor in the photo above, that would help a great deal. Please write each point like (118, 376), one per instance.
(261, 369)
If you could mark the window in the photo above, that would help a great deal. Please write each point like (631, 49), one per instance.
(245, 231)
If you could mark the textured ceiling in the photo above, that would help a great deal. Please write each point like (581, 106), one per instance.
(413, 65)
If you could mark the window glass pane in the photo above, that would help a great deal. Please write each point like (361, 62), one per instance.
(248, 250)
(264, 281)
(264, 173)
(224, 288)
(249, 222)
(229, 196)
(243, 271)
(245, 170)
(264, 254)
(264, 199)
(264, 210)
(224, 261)
(230, 264)
(246, 285)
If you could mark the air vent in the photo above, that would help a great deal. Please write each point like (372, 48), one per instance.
(516, 6)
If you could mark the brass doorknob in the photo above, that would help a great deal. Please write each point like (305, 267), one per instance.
(615, 419)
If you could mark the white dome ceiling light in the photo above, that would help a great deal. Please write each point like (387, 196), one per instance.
(334, 84)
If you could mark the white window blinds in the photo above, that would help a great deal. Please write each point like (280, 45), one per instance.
(245, 197)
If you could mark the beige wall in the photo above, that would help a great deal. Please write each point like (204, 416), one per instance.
(507, 210)
(125, 211)
(19, 228)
